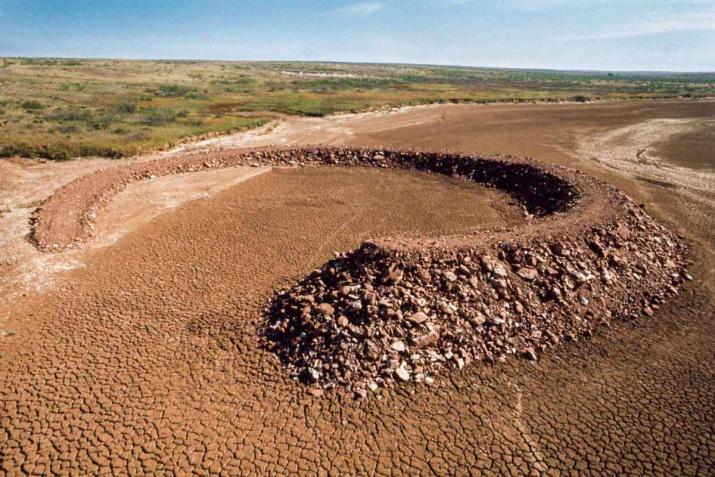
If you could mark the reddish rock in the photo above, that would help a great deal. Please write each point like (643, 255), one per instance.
(418, 318)
(528, 273)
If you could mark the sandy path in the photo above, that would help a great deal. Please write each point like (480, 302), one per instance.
(23, 185)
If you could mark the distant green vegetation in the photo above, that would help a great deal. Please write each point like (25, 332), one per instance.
(61, 108)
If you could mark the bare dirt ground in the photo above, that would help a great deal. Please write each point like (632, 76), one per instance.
(140, 202)
(24, 269)
(145, 359)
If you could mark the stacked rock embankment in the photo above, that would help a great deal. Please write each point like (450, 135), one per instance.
(398, 310)
(404, 309)
(66, 219)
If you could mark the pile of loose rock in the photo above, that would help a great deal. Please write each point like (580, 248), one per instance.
(66, 219)
(372, 317)
(389, 312)
(405, 309)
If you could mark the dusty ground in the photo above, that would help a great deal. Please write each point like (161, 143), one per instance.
(142, 201)
(145, 358)
(27, 183)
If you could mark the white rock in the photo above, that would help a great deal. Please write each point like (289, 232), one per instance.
(402, 372)
(398, 346)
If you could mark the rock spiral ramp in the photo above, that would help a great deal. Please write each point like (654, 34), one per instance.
(406, 308)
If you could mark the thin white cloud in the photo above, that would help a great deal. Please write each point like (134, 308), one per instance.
(362, 9)
(518, 5)
(675, 24)
(545, 5)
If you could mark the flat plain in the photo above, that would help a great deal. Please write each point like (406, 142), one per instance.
(138, 353)
(62, 108)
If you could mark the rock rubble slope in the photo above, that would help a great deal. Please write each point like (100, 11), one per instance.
(404, 309)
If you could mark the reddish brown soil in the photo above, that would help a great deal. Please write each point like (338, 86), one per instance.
(620, 260)
(693, 148)
(158, 360)
(67, 218)
(146, 359)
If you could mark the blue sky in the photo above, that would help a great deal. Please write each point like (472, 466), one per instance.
(674, 35)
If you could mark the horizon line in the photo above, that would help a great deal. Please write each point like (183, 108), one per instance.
(385, 63)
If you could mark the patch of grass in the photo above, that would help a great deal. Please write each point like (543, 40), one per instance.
(71, 114)
(53, 107)
(103, 121)
(49, 62)
(174, 90)
(127, 107)
(157, 116)
(67, 128)
(32, 105)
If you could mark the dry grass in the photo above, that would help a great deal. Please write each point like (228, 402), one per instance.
(58, 108)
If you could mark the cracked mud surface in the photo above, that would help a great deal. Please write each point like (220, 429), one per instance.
(149, 353)
(148, 371)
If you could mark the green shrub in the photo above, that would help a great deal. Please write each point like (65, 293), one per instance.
(21, 149)
(579, 98)
(71, 114)
(157, 116)
(96, 150)
(67, 128)
(32, 105)
(102, 122)
(127, 107)
(196, 95)
(56, 152)
(174, 90)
